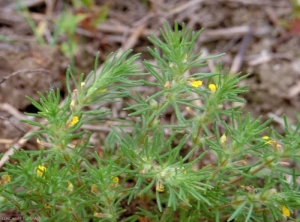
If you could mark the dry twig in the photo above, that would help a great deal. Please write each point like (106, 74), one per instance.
(131, 41)
(279, 120)
(24, 71)
(25, 3)
(184, 6)
(18, 128)
(12, 111)
(238, 60)
(18, 145)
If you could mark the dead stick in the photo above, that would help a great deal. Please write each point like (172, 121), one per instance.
(238, 60)
(24, 71)
(18, 128)
(16, 146)
(12, 111)
(131, 41)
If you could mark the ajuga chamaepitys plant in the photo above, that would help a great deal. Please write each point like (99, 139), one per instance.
(209, 163)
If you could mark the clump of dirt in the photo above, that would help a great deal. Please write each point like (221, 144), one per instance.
(25, 70)
(36, 68)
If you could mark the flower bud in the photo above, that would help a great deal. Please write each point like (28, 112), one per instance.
(223, 139)
(115, 182)
(70, 187)
(167, 85)
(153, 103)
(159, 186)
(94, 189)
(5, 179)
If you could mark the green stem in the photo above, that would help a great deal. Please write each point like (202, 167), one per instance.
(251, 172)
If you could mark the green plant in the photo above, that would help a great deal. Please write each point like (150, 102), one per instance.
(212, 164)
(85, 13)
(292, 21)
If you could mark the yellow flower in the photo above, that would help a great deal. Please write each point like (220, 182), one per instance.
(285, 211)
(195, 83)
(115, 181)
(75, 120)
(271, 142)
(41, 171)
(265, 137)
(5, 179)
(212, 87)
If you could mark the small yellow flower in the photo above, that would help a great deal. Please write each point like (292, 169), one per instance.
(40, 171)
(195, 83)
(5, 179)
(266, 137)
(285, 211)
(70, 187)
(115, 181)
(103, 90)
(212, 87)
(82, 84)
(75, 120)
(271, 142)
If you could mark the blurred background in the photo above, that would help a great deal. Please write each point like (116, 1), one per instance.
(39, 39)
